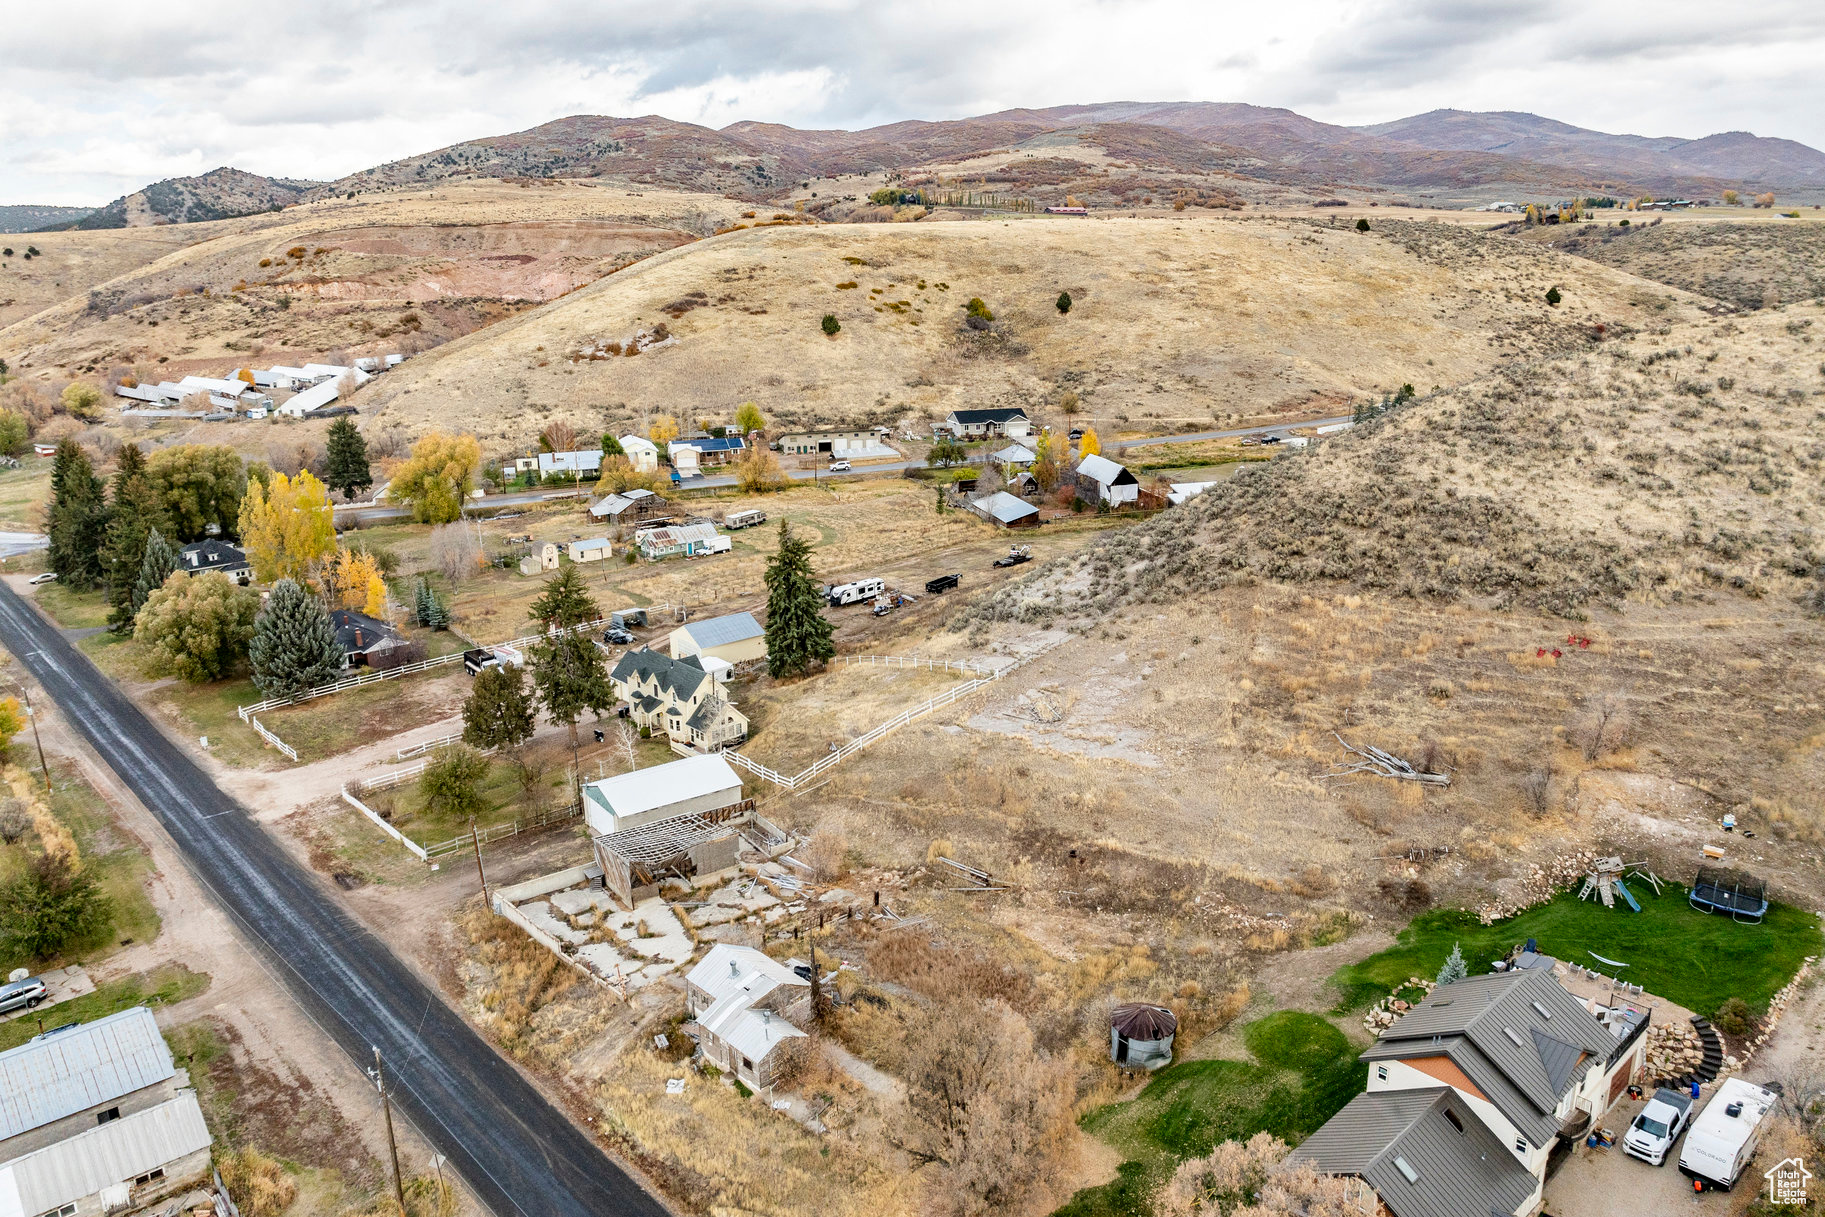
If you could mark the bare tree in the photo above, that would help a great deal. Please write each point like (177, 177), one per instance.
(1253, 1179)
(988, 1109)
(387, 443)
(456, 551)
(1537, 787)
(560, 436)
(629, 739)
(1604, 726)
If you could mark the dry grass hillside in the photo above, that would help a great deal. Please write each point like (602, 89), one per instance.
(70, 263)
(1176, 322)
(1664, 469)
(400, 271)
(1750, 265)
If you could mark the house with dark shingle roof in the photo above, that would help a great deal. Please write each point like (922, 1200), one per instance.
(1513, 1049)
(364, 639)
(210, 554)
(1010, 421)
(678, 697)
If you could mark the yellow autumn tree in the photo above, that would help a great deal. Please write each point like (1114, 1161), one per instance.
(663, 431)
(437, 477)
(354, 581)
(287, 528)
(1089, 445)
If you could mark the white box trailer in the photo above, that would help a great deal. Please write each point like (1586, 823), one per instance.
(855, 593)
(1726, 1134)
(745, 519)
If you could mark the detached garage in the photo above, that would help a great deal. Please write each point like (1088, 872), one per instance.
(736, 638)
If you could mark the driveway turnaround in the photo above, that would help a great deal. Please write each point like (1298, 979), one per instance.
(517, 1152)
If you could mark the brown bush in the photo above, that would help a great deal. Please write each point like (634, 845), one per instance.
(259, 1185)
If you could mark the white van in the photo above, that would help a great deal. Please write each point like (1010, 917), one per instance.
(1726, 1134)
(855, 593)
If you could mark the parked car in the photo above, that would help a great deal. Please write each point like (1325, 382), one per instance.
(839, 467)
(1651, 1134)
(22, 994)
(619, 638)
(49, 576)
(1076, 434)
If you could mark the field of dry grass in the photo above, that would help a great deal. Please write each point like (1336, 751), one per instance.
(383, 273)
(1748, 264)
(1176, 322)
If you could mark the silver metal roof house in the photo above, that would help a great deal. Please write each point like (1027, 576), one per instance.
(64, 1072)
(1425, 1152)
(130, 1161)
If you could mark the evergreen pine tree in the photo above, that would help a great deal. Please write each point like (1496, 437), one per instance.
(154, 568)
(499, 713)
(133, 507)
(348, 459)
(1455, 968)
(428, 608)
(78, 518)
(569, 671)
(798, 636)
(294, 646)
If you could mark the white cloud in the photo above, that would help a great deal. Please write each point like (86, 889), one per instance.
(102, 96)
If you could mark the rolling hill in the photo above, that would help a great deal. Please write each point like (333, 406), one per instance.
(1177, 322)
(220, 194)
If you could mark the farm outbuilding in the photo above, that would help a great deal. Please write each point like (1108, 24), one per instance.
(735, 638)
(1101, 480)
(1140, 1035)
(1004, 509)
(596, 549)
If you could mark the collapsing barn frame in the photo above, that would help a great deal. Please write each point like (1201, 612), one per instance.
(634, 860)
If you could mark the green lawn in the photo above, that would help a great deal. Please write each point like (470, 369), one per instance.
(1304, 1069)
(1671, 949)
(72, 610)
(162, 986)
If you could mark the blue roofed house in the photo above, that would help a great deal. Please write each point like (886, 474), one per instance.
(679, 698)
(1477, 1091)
(736, 638)
(97, 1118)
(704, 450)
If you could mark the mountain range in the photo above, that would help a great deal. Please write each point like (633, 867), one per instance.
(1158, 147)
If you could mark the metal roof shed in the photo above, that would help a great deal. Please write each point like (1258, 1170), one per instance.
(1004, 509)
(682, 787)
(105, 1160)
(63, 1072)
(713, 636)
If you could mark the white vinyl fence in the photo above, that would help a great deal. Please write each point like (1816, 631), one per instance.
(985, 676)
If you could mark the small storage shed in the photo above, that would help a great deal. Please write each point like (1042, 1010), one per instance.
(596, 549)
(1004, 509)
(1140, 1035)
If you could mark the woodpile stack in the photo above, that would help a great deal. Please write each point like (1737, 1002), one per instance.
(1386, 1012)
(1674, 1050)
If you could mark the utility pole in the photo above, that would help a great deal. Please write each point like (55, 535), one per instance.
(386, 1106)
(817, 988)
(476, 836)
(27, 694)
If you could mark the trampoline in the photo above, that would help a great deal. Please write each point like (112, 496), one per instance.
(1731, 893)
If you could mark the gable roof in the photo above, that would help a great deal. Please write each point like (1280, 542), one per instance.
(1101, 469)
(210, 554)
(358, 633)
(1005, 508)
(679, 677)
(1459, 1168)
(582, 461)
(715, 975)
(610, 505)
(630, 443)
(1518, 1035)
(63, 1072)
(720, 631)
(675, 536)
(591, 543)
(47, 1179)
(1015, 454)
(999, 414)
(657, 786)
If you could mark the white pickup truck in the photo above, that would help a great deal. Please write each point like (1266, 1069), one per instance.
(1652, 1133)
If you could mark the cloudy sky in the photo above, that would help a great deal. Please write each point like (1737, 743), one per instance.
(100, 97)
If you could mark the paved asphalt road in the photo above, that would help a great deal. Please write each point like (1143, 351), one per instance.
(517, 1152)
(520, 498)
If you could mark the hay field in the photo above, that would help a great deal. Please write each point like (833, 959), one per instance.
(457, 257)
(1177, 322)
